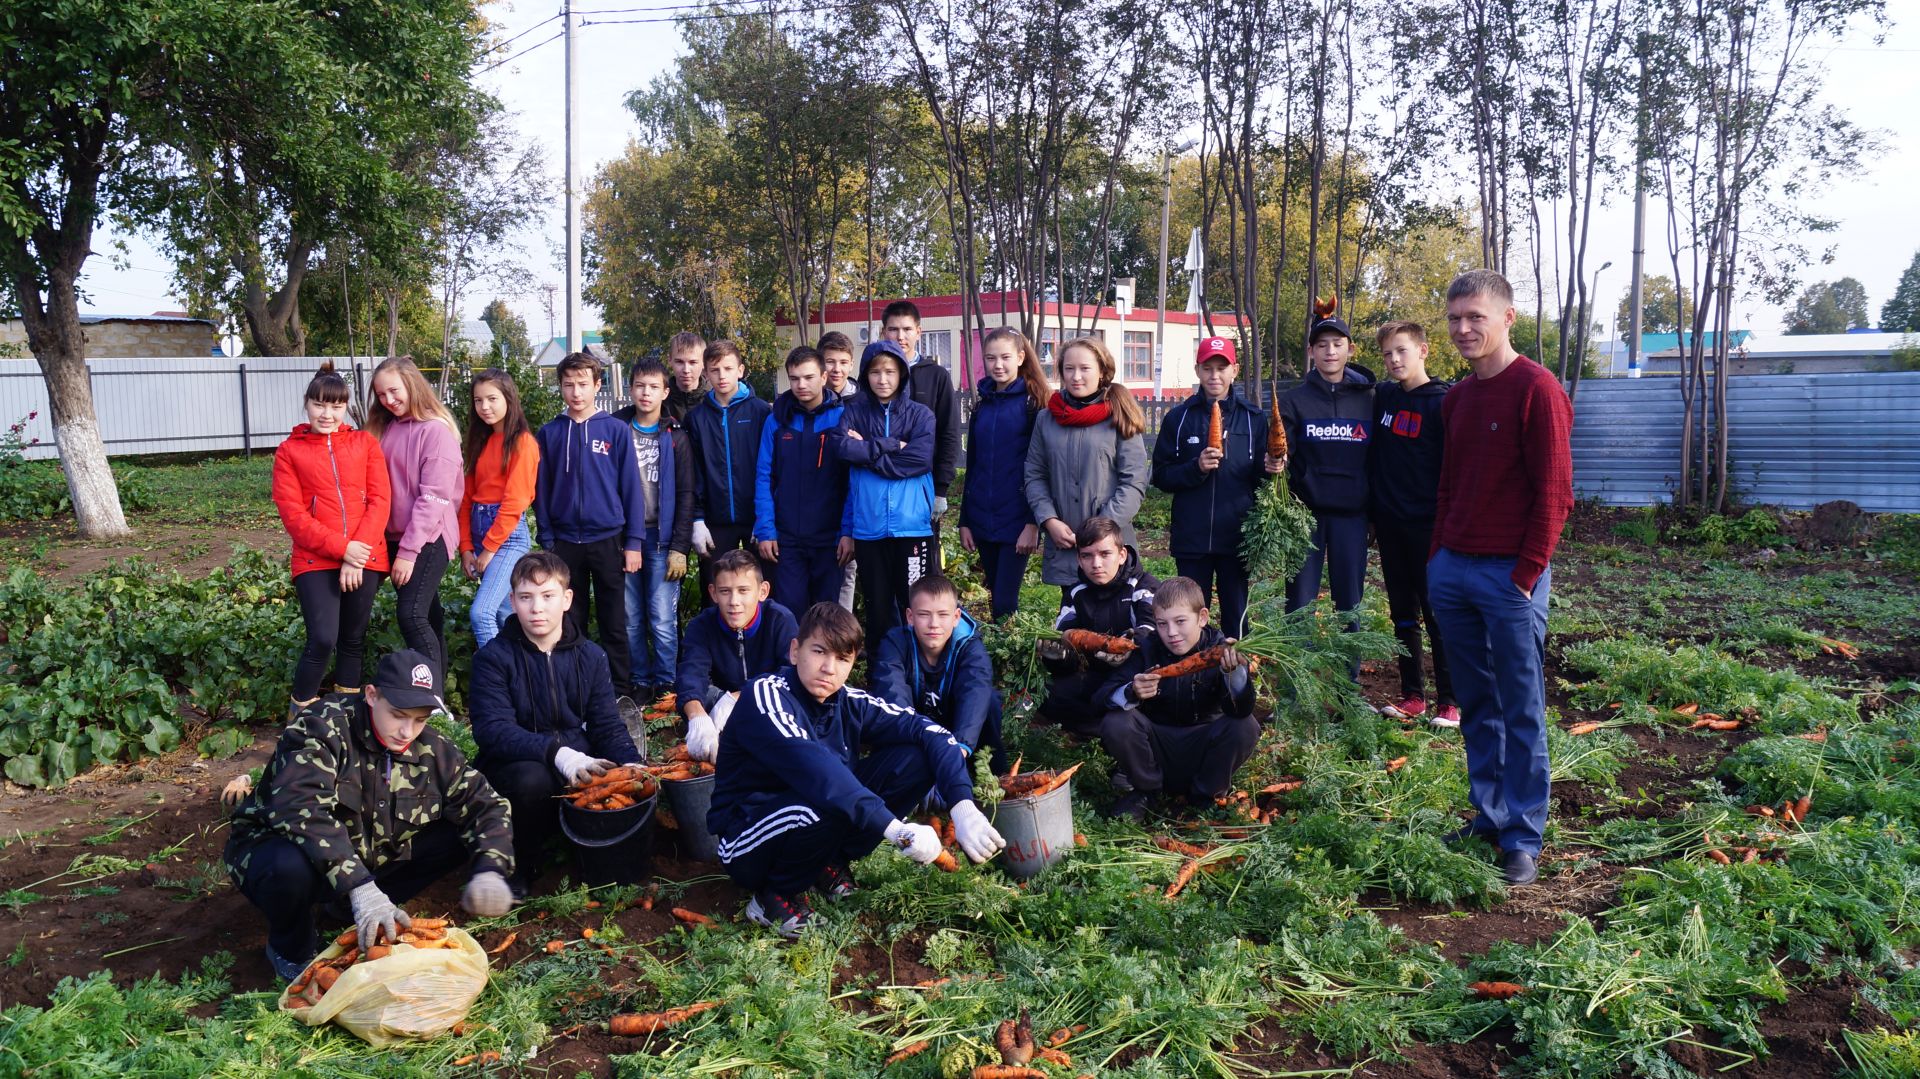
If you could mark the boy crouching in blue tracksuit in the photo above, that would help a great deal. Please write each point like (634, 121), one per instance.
(813, 775)
(741, 637)
(938, 666)
(801, 490)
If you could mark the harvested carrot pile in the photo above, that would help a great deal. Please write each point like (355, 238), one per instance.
(617, 788)
(1034, 784)
(313, 983)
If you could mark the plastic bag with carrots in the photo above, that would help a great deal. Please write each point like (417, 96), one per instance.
(409, 993)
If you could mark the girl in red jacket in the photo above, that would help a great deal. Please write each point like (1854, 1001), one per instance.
(330, 484)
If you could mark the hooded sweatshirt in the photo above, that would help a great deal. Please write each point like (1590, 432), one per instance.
(589, 487)
(524, 704)
(890, 485)
(423, 470)
(995, 508)
(1403, 461)
(1208, 507)
(674, 518)
(726, 441)
(1328, 427)
(800, 491)
(956, 693)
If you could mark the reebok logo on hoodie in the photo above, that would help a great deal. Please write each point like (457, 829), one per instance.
(1336, 431)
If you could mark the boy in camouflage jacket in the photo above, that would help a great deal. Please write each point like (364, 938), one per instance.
(364, 805)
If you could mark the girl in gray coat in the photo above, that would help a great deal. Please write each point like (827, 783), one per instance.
(1087, 458)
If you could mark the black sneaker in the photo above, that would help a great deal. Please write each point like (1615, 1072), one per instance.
(1518, 867)
(786, 915)
(1131, 805)
(517, 887)
(835, 883)
(287, 969)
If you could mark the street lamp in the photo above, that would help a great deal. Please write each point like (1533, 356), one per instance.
(1166, 215)
(1596, 299)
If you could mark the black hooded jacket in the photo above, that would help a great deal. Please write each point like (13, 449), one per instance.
(1403, 461)
(1329, 426)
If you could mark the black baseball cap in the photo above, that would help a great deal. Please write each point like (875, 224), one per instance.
(408, 679)
(1330, 324)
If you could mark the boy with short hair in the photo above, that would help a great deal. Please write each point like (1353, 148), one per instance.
(1328, 417)
(326, 825)
(665, 460)
(542, 708)
(687, 366)
(591, 509)
(725, 427)
(1403, 481)
(813, 774)
(1213, 489)
(929, 384)
(801, 489)
(888, 440)
(836, 360)
(938, 666)
(741, 637)
(1113, 597)
(1187, 734)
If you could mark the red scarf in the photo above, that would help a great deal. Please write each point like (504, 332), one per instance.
(1067, 414)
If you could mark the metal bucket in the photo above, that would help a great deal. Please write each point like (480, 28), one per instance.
(1038, 831)
(611, 846)
(689, 799)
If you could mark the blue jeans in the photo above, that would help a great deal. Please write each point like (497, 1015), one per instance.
(493, 601)
(1496, 649)
(653, 615)
(805, 576)
(1004, 568)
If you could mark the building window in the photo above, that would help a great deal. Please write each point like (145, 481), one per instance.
(1139, 358)
(1050, 336)
(938, 345)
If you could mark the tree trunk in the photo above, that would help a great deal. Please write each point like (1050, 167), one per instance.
(58, 344)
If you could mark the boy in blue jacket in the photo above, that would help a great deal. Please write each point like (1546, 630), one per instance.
(741, 637)
(813, 775)
(938, 666)
(800, 494)
(543, 710)
(725, 428)
(590, 508)
(1213, 490)
(1329, 419)
(888, 441)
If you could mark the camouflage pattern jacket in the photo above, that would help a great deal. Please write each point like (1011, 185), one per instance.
(353, 806)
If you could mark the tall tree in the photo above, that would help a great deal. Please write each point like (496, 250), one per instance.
(1901, 312)
(509, 331)
(1662, 307)
(1829, 307)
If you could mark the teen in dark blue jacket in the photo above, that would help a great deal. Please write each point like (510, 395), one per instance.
(742, 636)
(801, 489)
(887, 440)
(995, 518)
(1329, 419)
(955, 687)
(542, 707)
(1213, 492)
(725, 429)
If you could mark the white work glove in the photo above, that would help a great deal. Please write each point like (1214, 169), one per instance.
(939, 505)
(916, 841)
(722, 709)
(702, 539)
(487, 895)
(577, 767)
(374, 914)
(703, 738)
(974, 833)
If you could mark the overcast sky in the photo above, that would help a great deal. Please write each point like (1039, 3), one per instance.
(1878, 234)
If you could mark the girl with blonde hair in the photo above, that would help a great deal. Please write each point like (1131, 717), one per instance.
(1087, 458)
(422, 446)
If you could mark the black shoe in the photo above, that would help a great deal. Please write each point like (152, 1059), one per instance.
(835, 883)
(1131, 805)
(1467, 831)
(1518, 867)
(287, 969)
(786, 915)
(517, 887)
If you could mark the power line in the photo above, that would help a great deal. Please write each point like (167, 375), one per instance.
(820, 9)
(521, 54)
(518, 36)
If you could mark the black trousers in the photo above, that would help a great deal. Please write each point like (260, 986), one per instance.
(1198, 761)
(729, 538)
(599, 571)
(417, 603)
(1403, 563)
(532, 791)
(336, 630)
(1340, 543)
(793, 839)
(1070, 700)
(283, 883)
(888, 567)
(1231, 574)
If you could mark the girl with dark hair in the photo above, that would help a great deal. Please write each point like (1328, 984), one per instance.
(995, 520)
(503, 461)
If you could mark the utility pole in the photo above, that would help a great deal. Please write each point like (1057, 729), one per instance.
(1160, 314)
(549, 288)
(1635, 292)
(573, 187)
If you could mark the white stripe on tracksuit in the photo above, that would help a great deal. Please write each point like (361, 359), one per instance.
(782, 820)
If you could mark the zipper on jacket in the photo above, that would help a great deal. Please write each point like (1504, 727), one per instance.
(726, 449)
(553, 695)
(740, 649)
(338, 492)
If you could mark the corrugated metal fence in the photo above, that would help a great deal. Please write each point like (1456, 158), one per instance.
(1796, 440)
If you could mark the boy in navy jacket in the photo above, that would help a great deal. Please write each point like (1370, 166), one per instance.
(800, 494)
(542, 709)
(1213, 489)
(1329, 417)
(1113, 597)
(725, 429)
(938, 666)
(888, 441)
(741, 637)
(1403, 483)
(813, 775)
(590, 508)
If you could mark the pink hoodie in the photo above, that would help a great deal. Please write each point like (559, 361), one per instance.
(423, 463)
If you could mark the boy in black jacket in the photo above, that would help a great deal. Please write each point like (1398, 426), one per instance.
(1114, 597)
(741, 637)
(1213, 489)
(1403, 480)
(813, 775)
(543, 711)
(938, 666)
(1187, 734)
(1328, 417)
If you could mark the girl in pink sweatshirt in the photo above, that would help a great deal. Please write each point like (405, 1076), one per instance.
(422, 447)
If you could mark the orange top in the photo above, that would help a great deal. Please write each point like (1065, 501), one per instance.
(513, 490)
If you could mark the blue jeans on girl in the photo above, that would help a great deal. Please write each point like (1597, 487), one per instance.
(493, 602)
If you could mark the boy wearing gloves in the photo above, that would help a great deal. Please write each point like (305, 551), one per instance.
(937, 665)
(363, 806)
(543, 710)
(814, 775)
(725, 428)
(741, 637)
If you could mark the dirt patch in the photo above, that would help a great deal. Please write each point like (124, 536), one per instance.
(1528, 915)
(1802, 1034)
(1481, 1057)
(54, 548)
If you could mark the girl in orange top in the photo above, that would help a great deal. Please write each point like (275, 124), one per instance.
(502, 461)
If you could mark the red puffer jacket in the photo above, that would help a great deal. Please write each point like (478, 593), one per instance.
(331, 489)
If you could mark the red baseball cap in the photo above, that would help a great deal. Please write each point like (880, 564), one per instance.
(1215, 346)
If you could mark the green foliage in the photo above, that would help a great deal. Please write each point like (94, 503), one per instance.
(37, 491)
(1640, 674)
(1901, 312)
(1278, 535)
(1642, 527)
(1829, 307)
(1755, 528)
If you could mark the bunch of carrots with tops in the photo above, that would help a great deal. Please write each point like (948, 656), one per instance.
(677, 765)
(616, 788)
(321, 974)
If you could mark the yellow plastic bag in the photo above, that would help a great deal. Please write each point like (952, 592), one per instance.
(409, 993)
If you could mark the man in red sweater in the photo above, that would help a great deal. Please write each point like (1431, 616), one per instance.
(1506, 487)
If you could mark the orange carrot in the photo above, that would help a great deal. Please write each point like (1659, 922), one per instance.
(1215, 437)
(1497, 990)
(1086, 640)
(555, 947)
(947, 862)
(630, 1024)
(1055, 780)
(1180, 846)
(1202, 660)
(1583, 728)
(1396, 764)
(1276, 430)
(906, 1052)
(1285, 785)
(1180, 879)
(1686, 709)
(1723, 725)
(1813, 736)
(505, 943)
(1007, 1071)
(1720, 856)
(488, 1057)
(1065, 1034)
(693, 918)
(1079, 840)
(1055, 1056)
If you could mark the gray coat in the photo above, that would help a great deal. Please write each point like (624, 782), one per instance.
(1074, 473)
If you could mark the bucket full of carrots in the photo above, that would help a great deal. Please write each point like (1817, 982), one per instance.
(1035, 817)
(687, 785)
(610, 824)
